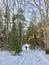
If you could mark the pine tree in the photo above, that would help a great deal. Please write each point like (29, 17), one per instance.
(20, 19)
(15, 45)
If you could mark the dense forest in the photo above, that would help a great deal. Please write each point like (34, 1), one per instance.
(24, 21)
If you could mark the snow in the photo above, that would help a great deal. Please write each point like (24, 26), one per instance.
(29, 57)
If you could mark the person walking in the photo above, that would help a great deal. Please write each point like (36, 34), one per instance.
(26, 47)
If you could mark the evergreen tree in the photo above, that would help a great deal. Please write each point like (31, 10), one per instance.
(15, 45)
(20, 19)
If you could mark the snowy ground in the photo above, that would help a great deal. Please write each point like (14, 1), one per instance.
(30, 57)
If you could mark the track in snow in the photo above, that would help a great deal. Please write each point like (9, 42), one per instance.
(31, 57)
(34, 58)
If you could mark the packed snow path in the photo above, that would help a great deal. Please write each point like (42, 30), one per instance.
(32, 57)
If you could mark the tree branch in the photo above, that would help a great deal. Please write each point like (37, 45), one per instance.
(31, 4)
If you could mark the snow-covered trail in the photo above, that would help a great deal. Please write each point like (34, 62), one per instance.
(35, 58)
(31, 57)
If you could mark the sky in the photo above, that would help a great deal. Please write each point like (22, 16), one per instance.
(28, 10)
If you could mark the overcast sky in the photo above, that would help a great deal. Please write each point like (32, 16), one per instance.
(28, 8)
